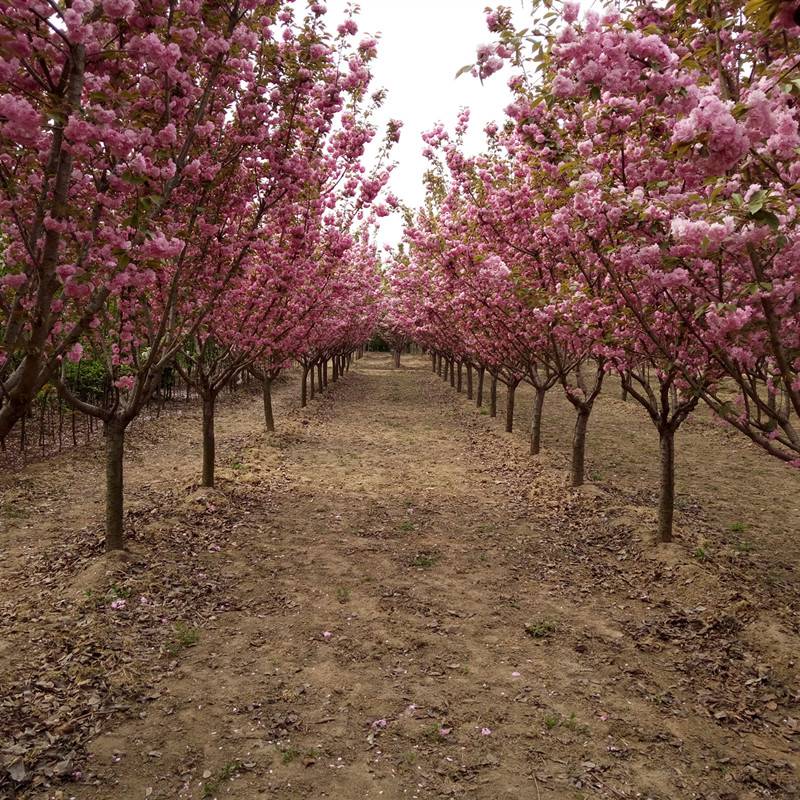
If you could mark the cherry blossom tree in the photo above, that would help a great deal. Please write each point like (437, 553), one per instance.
(147, 148)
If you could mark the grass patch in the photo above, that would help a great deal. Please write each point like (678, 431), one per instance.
(343, 594)
(12, 510)
(185, 636)
(425, 560)
(433, 733)
(738, 527)
(570, 723)
(701, 554)
(541, 629)
(290, 754)
(223, 775)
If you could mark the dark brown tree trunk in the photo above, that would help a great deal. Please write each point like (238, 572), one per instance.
(312, 387)
(433, 361)
(325, 373)
(493, 398)
(269, 419)
(536, 421)
(479, 394)
(115, 449)
(452, 373)
(34, 371)
(510, 396)
(304, 388)
(335, 369)
(320, 377)
(469, 381)
(579, 447)
(666, 500)
(209, 442)
(460, 378)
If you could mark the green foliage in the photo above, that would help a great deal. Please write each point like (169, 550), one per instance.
(738, 527)
(551, 721)
(378, 345)
(701, 554)
(425, 560)
(212, 786)
(185, 636)
(541, 629)
(343, 594)
(570, 723)
(88, 379)
(290, 754)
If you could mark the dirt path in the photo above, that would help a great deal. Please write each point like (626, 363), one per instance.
(389, 599)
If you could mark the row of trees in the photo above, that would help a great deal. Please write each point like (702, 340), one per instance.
(635, 214)
(181, 187)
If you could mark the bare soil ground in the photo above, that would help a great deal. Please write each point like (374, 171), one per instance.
(390, 599)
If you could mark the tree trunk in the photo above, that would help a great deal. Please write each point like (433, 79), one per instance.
(579, 447)
(493, 398)
(469, 381)
(319, 377)
(433, 361)
(460, 378)
(325, 373)
(479, 394)
(335, 368)
(209, 443)
(510, 396)
(666, 500)
(115, 448)
(453, 373)
(269, 419)
(304, 388)
(536, 421)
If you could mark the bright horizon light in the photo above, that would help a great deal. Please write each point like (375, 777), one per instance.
(421, 46)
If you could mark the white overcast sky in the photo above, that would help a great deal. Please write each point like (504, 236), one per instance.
(422, 44)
